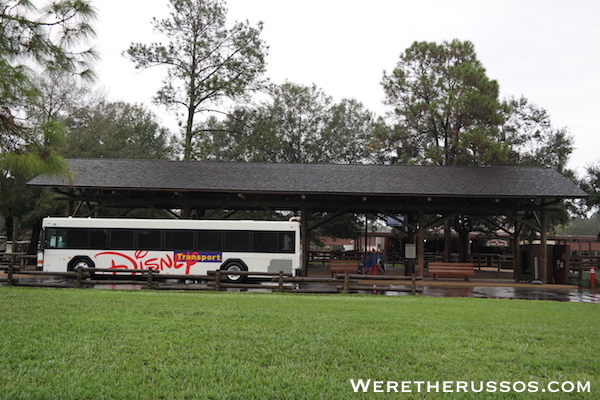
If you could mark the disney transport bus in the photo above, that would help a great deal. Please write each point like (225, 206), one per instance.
(171, 246)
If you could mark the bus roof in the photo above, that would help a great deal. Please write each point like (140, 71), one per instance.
(134, 223)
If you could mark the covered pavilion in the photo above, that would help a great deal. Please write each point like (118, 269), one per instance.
(521, 195)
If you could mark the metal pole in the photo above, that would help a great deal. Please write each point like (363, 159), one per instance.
(366, 234)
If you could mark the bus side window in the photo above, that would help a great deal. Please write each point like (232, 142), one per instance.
(56, 238)
(179, 240)
(265, 242)
(79, 238)
(122, 239)
(98, 239)
(149, 239)
(237, 241)
(209, 241)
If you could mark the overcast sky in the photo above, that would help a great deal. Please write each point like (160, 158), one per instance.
(545, 50)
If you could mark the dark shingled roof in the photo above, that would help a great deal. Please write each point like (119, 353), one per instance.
(395, 180)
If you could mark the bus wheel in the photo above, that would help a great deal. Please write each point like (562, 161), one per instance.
(83, 262)
(235, 266)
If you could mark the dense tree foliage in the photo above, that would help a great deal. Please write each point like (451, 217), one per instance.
(445, 109)
(95, 127)
(206, 61)
(298, 124)
(581, 226)
(591, 184)
(533, 140)
(35, 41)
(115, 130)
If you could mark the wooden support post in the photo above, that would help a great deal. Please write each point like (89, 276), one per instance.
(218, 280)
(186, 211)
(516, 250)
(281, 281)
(304, 240)
(11, 270)
(447, 240)
(543, 265)
(409, 263)
(421, 242)
(150, 273)
(79, 284)
(70, 208)
(346, 283)
(414, 284)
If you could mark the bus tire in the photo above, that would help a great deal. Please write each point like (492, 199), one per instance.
(80, 261)
(235, 266)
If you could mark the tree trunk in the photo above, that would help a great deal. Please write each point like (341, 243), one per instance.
(189, 132)
(36, 229)
(8, 225)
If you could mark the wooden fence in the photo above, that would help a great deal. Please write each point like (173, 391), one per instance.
(214, 280)
(481, 260)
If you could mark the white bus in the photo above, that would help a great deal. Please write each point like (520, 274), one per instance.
(182, 247)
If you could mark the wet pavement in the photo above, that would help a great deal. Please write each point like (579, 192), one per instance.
(524, 293)
(483, 289)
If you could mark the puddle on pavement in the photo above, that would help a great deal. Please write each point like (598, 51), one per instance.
(572, 295)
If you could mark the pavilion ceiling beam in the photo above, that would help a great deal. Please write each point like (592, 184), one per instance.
(172, 214)
(93, 210)
(406, 222)
(331, 203)
(76, 210)
(442, 219)
(523, 221)
(497, 225)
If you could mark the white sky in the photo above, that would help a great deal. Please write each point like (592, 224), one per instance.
(545, 50)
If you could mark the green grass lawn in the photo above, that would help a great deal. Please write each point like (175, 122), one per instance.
(108, 344)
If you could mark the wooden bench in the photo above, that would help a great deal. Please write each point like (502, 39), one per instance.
(342, 266)
(451, 269)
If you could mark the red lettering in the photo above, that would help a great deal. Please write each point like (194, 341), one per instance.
(166, 262)
(152, 263)
(141, 260)
(191, 260)
(178, 264)
(115, 262)
(140, 254)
